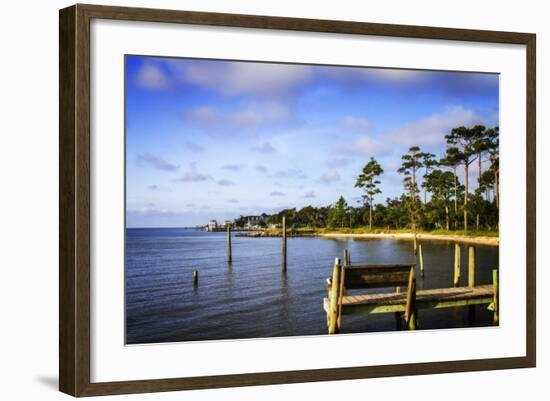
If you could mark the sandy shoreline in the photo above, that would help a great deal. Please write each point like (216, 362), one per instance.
(492, 241)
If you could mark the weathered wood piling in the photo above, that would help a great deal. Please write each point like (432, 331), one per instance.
(471, 280)
(333, 313)
(195, 278)
(284, 243)
(471, 267)
(229, 253)
(421, 259)
(410, 306)
(456, 279)
(347, 260)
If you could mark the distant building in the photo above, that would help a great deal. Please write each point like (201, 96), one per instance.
(256, 221)
(212, 225)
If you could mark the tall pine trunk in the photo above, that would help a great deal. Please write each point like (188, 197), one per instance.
(370, 213)
(466, 168)
(456, 198)
(496, 188)
(479, 167)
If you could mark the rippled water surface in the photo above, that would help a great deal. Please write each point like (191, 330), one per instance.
(251, 297)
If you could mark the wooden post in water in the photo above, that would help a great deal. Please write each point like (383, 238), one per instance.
(229, 257)
(333, 311)
(414, 244)
(471, 266)
(456, 280)
(421, 259)
(410, 308)
(397, 315)
(284, 243)
(471, 281)
(347, 260)
(195, 278)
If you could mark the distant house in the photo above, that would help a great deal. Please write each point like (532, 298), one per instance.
(212, 225)
(256, 221)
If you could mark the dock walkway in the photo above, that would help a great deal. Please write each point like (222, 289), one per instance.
(425, 299)
(404, 301)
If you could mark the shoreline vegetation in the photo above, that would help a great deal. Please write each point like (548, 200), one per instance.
(490, 238)
(435, 202)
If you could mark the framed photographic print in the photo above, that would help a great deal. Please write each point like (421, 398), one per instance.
(250, 200)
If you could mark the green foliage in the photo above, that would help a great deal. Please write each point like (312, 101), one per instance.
(338, 214)
(368, 182)
(450, 205)
(367, 179)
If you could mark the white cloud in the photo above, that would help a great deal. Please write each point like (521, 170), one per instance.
(339, 162)
(359, 124)
(225, 183)
(355, 76)
(194, 147)
(193, 175)
(394, 75)
(277, 193)
(310, 194)
(265, 148)
(155, 161)
(261, 169)
(365, 146)
(151, 76)
(232, 167)
(430, 131)
(330, 177)
(249, 116)
(205, 117)
(290, 173)
(243, 78)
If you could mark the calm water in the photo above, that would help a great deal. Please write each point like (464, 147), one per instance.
(251, 297)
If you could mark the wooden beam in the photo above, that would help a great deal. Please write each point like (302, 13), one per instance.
(341, 291)
(413, 310)
(456, 279)
(347, 260)
(333, 312)
(471, 266)
(382, 266)
(425, 299)
(411, 294)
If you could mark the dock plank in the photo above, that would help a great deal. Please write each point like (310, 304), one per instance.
(433, 298)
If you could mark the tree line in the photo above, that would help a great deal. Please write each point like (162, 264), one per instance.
(434, 197)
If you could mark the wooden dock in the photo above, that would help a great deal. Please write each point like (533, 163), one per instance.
(425, 299)
(405, 303)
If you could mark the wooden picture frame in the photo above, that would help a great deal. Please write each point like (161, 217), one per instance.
(74, 203)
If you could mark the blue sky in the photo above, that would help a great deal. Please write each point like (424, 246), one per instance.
(218, 139)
